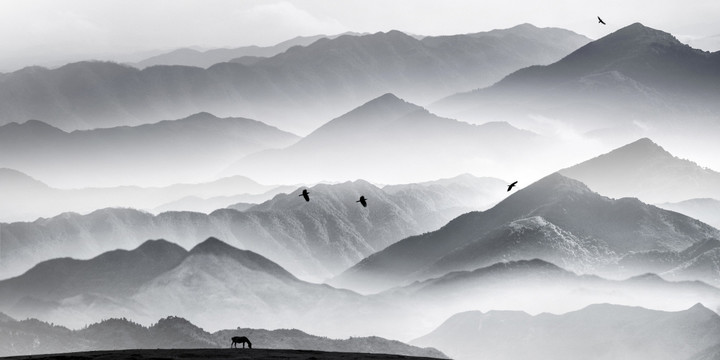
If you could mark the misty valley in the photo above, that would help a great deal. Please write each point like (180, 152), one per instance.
(351, 194)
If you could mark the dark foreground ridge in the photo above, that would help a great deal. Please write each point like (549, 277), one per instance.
(211, 354)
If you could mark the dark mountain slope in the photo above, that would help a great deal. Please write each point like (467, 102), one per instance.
(597, 224)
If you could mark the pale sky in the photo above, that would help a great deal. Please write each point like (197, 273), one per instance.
(47, 31)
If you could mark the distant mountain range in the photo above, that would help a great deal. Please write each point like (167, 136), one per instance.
(213, 285)
(186, 150)
(596, 332)
(556, 219)
(704, 209)
(26, 199)
(296, 90)
(391, 140)
(645, 170)
(537, 286)
(20, 338)
(313, 240)
(635, 75)
(205, 59)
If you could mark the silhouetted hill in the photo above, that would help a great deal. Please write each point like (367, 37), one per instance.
(31, 337)
(176, 151)
(113, 273)
(296, 90)
(555, 218)
(645, 170)
(600, 331)
(634, 74)
(214, 285)
(388, 133)
(313, 240)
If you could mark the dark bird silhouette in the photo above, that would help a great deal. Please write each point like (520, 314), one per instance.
(305, 194)
(511, 186)
(362, 201)
(600, 21)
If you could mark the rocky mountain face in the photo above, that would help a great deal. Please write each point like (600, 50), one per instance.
(557, 219)
(600, 331)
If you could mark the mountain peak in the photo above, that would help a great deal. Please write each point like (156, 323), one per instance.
(558, 183)
(35, 126)
(640, 32)
(248, 259)
(201, 115)
(375, 112)
(212, 245)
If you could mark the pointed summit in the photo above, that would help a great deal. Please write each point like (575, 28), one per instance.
(253, 261)
(375, 112)
(645, 170)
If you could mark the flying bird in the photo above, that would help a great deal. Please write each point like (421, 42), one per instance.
(511, 186)
(362, 201)
(305, 194)
(600, 21)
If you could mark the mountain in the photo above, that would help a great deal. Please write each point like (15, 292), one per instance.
(296, 90)
(207, 58)
(386, 134)
(25, 198)
(634, 76)
(313, 240)
(30, 337)
(704, 209)
(113, 273)
(599, 331)
(538, 286)
(214, 285)
(176, 151)
(556, 219)
(645, 170)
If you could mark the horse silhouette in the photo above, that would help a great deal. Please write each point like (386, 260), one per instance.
(240, 340)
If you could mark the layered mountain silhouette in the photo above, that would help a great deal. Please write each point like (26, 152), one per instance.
(393, 141)
(167, 152)
(704, 209)
(207, 58)
(314, 240)
(698, 262)
(214, 285)
(174, 333)
(645, 170)
(601, 331)
(296, 90)
(26, 199)
(634, 74)
(556, 219)
(537, 286)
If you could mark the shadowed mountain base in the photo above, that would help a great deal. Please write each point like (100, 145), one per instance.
(205, 354)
